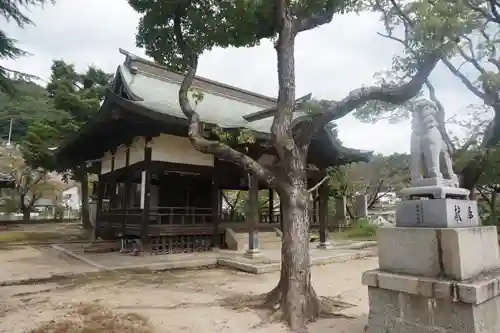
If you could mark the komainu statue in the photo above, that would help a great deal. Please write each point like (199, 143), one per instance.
(431, 161)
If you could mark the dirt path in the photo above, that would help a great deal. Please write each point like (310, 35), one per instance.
(182, 301)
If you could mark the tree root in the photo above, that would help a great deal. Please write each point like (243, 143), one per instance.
(279, 309)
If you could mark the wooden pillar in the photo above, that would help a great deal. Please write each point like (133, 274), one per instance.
(216, 196)
(315, 211)
(126, 203)
(271, 205)
(253, 216)
(112, 194)
(323, 216)
(146, 193)
(126, 193)
(100, 197)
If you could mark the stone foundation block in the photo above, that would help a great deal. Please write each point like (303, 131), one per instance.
(397, 312)
(453, 253)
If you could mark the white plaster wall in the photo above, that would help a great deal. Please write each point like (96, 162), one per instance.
(137, 151)
(106, 163)
(176, 149)
(120, 157)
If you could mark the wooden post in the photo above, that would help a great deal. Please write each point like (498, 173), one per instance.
(315, 212)
(253, 216)
(100, 196)
(126, 203)
(146, 195)
(215, 193)
(271, 205)
(323, 216)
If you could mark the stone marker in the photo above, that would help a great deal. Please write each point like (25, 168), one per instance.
(340, 210)
(361, 206)
(438, 268)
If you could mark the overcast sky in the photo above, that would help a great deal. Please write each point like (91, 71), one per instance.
(331, 60)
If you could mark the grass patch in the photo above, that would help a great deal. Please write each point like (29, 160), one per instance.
(362, 230)
(94, 318)
(36, 236)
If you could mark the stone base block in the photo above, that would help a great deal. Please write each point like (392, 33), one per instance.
(454, 253)
(403, 303)
(325, 246)
(435, 191)
(437, 213)
(397, 312)
(251, 254)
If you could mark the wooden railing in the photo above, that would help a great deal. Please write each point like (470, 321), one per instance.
(266, 217)
(171, 229)
(180, 216)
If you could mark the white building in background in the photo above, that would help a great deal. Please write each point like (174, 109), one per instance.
(390, 198)
(71, 197)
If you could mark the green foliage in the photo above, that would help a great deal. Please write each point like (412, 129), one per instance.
(234, 137)
(10, 205)
(197, 96)
(466, 31)
(361, 230)
(211, 23)
(11, 11)
(381, 175)
(30, 105)
(77, 98)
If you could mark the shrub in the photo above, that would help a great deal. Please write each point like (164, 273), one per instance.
(362, 229)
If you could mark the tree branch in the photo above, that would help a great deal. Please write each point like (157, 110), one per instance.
(432, 96)
(485, 197)
(394, 95)
(314, 21)
(463, 78)
(494, 10)
(200, 143)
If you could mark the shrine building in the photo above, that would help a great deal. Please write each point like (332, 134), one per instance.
(154, 184)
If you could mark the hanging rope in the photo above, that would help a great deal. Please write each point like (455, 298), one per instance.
(318, 184)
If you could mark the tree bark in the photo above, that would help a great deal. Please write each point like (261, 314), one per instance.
(294, 297)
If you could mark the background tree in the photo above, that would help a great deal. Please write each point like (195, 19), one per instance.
(383, 174)
(177, 32)
(31, 183)
(29, 105)
(78, 96)
(11, 11)
(472, 27)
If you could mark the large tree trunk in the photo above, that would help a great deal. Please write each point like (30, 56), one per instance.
(294, 295)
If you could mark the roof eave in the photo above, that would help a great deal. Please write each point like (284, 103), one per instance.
(347, 155)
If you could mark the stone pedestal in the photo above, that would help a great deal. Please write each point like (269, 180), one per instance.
(438, 213)
(252, 254)
(325, 246)
(436, 280)
(439, 270)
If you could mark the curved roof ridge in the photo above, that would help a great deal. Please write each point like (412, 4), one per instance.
(131, 59)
